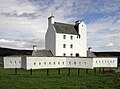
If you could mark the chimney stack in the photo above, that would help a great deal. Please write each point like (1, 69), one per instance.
(34, 48)
(51, 20)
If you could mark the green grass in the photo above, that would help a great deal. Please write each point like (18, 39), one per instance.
(40, 80)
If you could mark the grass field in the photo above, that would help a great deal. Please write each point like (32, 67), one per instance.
(40, 80)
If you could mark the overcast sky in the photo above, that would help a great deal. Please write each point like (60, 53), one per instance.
(23, 23)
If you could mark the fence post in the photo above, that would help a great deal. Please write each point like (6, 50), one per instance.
(95, 70)
(59, 71)
(47, 71)
(103, 69)
(68, 71)
(15, 71)
(99, 70)
(110, 68)
(31, 71)
(78, 71)
(86, 71)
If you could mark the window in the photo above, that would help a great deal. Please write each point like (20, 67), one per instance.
(39, 63)
(58, 63)
(82, 25)
(102, 61)
(85, 63)
(54, 63)
(75, 63)
(19, 61)
(71, 37)
(96, 61)
(34, 63)
(77, 54)
(64, 36)
(64, 54)
(15, 62)
(79, 63)
(64, 45)
(49, 63)
(63, 63)
(10, 62)
(71, 46)
(44, 63)
(99, 61)
(70, 63)
(78, 36)
(71, 54)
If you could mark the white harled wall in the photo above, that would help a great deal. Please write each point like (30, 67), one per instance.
(58, 62)
(12, 62)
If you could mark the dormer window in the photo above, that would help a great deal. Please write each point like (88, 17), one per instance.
(64, 36)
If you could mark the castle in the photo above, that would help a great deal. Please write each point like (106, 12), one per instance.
(65, 47)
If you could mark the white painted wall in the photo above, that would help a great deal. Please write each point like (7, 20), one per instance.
(45, 62)
(12, 62)
(58, 62)
(79, 63)
(50, 39)
(79, 45)
(105, 62)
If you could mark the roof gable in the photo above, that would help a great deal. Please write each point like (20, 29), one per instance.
(65, 28)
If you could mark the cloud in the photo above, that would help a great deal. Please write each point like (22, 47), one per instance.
(25, 21)
(110, 45)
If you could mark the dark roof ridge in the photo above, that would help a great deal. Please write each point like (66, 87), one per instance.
(65, 23)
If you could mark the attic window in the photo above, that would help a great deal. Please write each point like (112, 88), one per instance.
(64, 36)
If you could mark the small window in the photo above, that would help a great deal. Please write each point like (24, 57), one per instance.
(64, 45)
(63, 63)
(99, 61)
(71, 54)
(70, 63)
(102, 61)
(78, 36)
(10, 62)
(44, 63)
(71, 37)
(96, 61)
(75, 63)
(82, 25)
(79, 63)
(34, 63)
(64, 36)
(105, 61)
(19, 61)
(113, 61)
(15, 62)
(54, 63)
(108, 61)
(39, 63)
(77, 54)
(64, 54)
(58, 63)
(49, 63)
(71, 46)
(85, 63)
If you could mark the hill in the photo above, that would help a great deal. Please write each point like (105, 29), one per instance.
(8, 52)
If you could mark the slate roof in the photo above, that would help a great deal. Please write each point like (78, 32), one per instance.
(42, 53)
(65, 28)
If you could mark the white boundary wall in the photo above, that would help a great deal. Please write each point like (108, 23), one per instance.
(12, 62)
(105, 62)
(58, 62)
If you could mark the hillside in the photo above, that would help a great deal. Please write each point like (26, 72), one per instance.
(8, 52)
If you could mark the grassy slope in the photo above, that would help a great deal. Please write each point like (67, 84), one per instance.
(39, 80)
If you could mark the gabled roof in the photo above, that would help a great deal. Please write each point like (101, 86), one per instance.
(65, 28)
(42, 53)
